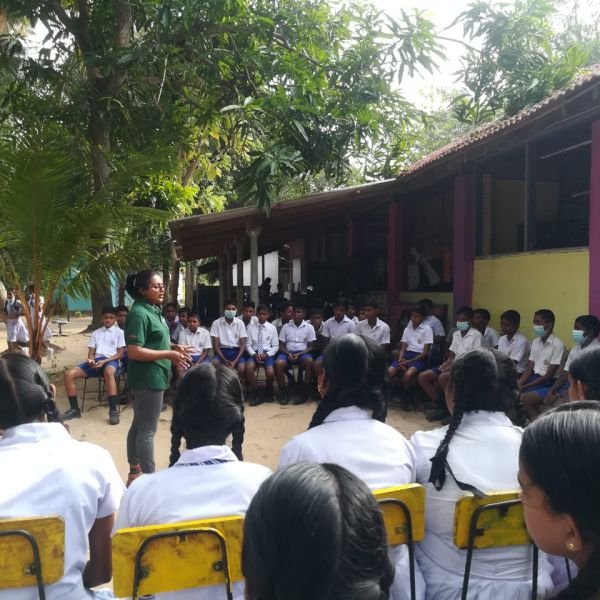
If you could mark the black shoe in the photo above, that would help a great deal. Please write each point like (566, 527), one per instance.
(113, 417)
(268, 395)
(72, 413)
(255, 398)
(436, 415)
(301, 399)
(283, 397)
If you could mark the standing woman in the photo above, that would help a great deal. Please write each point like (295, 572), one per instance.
(149, 354)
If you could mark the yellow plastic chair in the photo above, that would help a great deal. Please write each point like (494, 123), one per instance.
(404, 517)
(32, 552)
(494, 521)
(177, 556)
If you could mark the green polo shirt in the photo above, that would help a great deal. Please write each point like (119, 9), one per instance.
(146, 327)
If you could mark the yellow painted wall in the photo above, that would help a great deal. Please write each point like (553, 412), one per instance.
(558, 280)
(435, 297)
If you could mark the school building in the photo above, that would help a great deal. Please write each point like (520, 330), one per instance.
(506, 217)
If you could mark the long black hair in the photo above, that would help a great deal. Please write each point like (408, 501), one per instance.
(586, 368)
(25, 393)
(137, 281)
(356, 376)
(315, 532)
(482, 379)
(560, 453)
(208, 406)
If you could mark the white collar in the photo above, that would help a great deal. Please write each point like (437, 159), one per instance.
(346, 319)
(485, 417)
(410, 324)
(108, 328)
(550, 339)
(348, 413)
(377, 324)
(294, 324)
(204, 454)
(31, 433)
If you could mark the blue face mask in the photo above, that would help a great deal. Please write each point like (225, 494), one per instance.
(539, 330)
(462, 325)
(578, 336)
(230, 314)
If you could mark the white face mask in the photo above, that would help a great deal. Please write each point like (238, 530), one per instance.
(462, 325)
(230, 314)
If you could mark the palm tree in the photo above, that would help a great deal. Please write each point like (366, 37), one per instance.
(52, 224)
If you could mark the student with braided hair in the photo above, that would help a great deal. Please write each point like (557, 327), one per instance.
(315, 532)
(346, 430)
(206, 479)
(560, 490)
(478, 452)
(43, 471)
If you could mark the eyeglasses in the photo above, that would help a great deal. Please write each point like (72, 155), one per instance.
(158, 286)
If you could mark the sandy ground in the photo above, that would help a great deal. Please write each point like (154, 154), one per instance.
(268, 427)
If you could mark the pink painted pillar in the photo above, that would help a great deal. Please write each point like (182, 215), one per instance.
(396, 255)
(594, 234)
(464, 240)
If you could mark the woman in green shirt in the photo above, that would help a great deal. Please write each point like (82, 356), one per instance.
(149, 358)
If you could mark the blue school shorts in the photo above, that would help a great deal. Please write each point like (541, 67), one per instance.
(89, 372)
(292, 363)
(124, 360)
(196, 358)
(269, 361)
(230, 354)
(435, 358)
(543, 389)
(420, 365)
(435, 370)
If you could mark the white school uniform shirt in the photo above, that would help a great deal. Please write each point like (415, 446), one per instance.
(578, 350)
(297, 338)
(270, 339)
(205, 482)
(229, 334)
(199, 341)
(177, 332)
(253, 321)
(517, 349)
(46, 472)
(416, 339)
(544, 354)
(490, 338)
(461, 344)
(106, 341)
(371, 450)
(379, 333)
(334, 329)
(503, 573)
(436, 325)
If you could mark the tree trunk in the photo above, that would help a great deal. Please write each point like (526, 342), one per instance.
(174, 281)
(3, 21)
(190, 283)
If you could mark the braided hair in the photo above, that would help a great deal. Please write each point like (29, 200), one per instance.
(586, 368)
(482, 379)
(315, 531)
(25, 392)
(356, 376)
(208, 406)
(560, 453)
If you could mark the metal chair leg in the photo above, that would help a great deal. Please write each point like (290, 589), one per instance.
(36, 567)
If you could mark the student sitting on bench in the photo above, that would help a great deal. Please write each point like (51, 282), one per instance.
(196, 340)
(105, 349)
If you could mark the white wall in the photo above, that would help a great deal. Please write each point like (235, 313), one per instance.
(271, 270)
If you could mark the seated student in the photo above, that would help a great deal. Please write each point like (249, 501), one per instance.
(351, 311)
(295, 345)
(560, 490)
(315, 532)
(170, 315)
(481, 320)
(439, 333)
(465, 339)
(512, 342)
(478, 450)
(585, 334)
(373, 327)
(286, 311)
(261, 348)
(205, 479)
(229, 338)
(122, 312)
(248, 313)
(414, 349)
(195, 340)
(361, 314)
(547, 356)
(345, 429)
(105, 349)
(182, 314)
(316, 320)
(46, 472)
(584, 376)
(12, 310)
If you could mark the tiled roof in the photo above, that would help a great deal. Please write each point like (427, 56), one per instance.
(485, 132)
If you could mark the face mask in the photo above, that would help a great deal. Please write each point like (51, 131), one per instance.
(539, 330)
(462, 325)
(578, 336)
(230, 314)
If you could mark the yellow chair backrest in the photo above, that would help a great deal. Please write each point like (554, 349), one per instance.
(191, 558)
(412, 496)
(495, 528)
(17, 557)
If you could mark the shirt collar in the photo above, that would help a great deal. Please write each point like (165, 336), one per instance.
(31, 433)
(291, 322)
(346, 319)
(150, 307)
(485, 417)
(206, 453)
(348, 413)
(109, 328)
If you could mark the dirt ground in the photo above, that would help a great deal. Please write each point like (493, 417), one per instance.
(268, 427)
